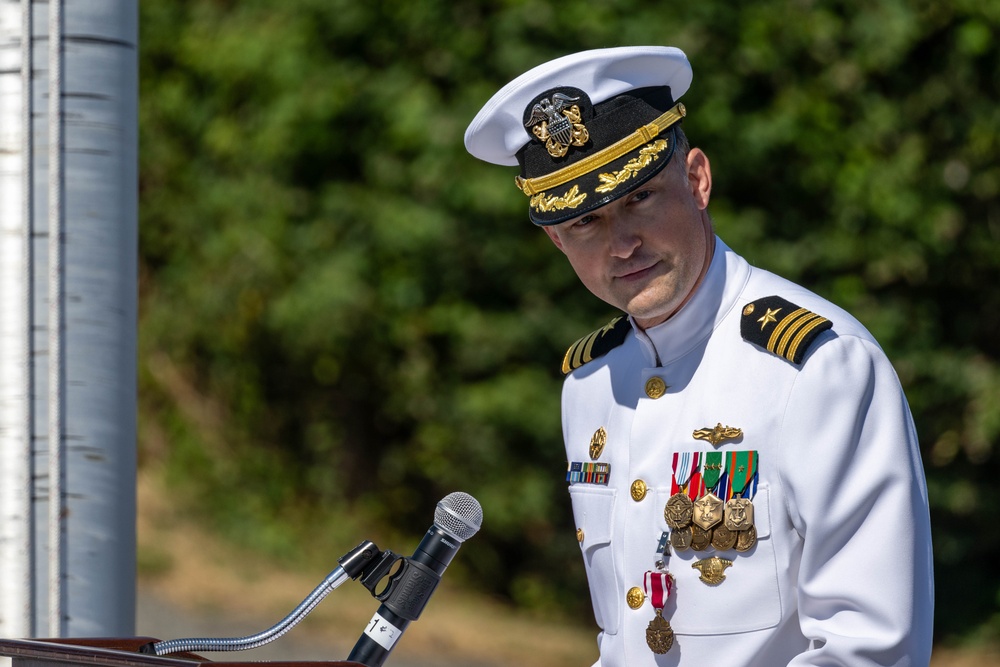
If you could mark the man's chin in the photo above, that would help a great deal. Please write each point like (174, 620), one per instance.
(648, 310)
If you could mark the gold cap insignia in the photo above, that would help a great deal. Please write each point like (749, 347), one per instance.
(559, 132)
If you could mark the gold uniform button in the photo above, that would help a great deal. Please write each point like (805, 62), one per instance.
(579, 535)
(635, 597)
(655, 387)
(638, 490)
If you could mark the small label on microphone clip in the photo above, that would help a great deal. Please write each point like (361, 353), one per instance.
(382, 631)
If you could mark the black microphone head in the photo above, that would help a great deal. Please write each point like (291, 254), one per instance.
(459, 514)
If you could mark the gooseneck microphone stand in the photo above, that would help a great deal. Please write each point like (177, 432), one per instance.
(361, 561)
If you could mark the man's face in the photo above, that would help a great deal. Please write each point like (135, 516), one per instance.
(645, 252)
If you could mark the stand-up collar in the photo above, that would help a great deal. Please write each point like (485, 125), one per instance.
(723, 283)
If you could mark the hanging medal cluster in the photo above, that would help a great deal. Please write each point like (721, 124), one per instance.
(711, 502)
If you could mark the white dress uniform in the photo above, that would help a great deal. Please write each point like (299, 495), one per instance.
(841, 573)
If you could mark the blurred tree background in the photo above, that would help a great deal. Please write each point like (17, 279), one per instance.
(345, 316)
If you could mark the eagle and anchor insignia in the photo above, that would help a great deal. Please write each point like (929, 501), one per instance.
(557, 123)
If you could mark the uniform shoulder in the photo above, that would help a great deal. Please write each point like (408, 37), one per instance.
(781, 327)
(596, 344)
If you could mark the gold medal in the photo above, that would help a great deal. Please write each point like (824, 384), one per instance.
(680, 539)
(746, 539)
(723, 539)
(707, 511)
(700, 538)
(659, 634)
(678, 511)
(738, 514)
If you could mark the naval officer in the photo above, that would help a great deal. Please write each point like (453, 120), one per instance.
(742, 463)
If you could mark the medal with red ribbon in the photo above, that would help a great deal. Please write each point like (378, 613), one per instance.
(659, 634)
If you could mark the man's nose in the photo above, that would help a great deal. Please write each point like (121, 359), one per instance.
(623, 238)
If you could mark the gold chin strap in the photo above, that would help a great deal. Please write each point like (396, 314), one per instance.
(644, 134)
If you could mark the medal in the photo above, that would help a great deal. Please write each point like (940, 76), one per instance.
(742, 467)
(723, 539)
(700, 538)
(678, 511)
(680, 539)
(659, 634)
(707, 511)
(745, 539)
(738, 514)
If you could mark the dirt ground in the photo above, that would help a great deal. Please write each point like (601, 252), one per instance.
(200, 587)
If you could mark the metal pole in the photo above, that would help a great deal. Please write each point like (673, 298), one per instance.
(17, 530)
(99, 84)
(68, 275)
(57, 363)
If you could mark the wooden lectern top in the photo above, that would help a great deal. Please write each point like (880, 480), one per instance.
(119, 652)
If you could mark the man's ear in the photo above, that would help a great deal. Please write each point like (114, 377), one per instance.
(551, 232)
(699, 177)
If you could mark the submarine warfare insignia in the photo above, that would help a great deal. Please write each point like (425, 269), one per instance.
(712, 569)
(717, 435)
(781, 327)
(558, 132)
(659, 634)
(597, 442)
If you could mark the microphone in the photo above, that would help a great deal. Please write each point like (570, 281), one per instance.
(457, 518)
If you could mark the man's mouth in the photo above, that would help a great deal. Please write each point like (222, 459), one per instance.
(637, 272)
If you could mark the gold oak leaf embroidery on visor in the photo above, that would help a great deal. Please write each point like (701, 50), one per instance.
(571, 199)
(651, 152)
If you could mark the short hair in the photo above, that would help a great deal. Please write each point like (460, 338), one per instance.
(681, 143)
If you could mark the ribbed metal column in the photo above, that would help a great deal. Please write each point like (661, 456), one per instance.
(68, 223)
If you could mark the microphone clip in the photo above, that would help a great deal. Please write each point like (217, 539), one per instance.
(402, 584)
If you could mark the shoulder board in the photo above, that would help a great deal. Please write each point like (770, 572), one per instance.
(595, 344)
(781, 327)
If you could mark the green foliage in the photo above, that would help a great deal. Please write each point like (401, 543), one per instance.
(340, 307)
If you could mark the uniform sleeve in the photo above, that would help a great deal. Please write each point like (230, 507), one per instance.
(855, 491)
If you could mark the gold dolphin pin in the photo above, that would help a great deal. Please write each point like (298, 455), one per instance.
(717, 435)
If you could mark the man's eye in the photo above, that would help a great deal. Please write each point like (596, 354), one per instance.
(584, 221)
(639, 196)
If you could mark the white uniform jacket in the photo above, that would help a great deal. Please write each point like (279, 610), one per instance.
(841, 573)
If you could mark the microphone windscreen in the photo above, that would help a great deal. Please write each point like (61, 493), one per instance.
(459, 514)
